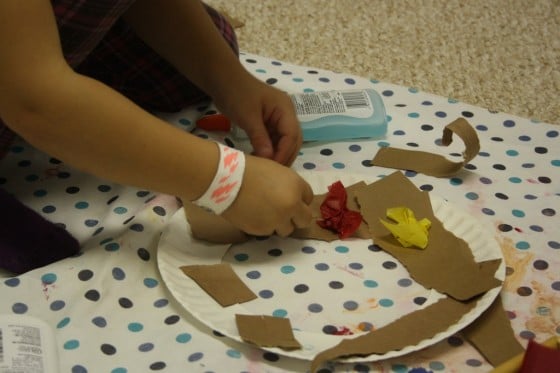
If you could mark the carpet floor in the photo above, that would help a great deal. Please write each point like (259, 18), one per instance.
(502, 55)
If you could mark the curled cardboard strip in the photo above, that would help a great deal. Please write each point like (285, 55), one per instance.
(429, 163)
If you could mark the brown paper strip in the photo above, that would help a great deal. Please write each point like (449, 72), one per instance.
(267, 331)
(429, 163)
(207, 226)
(493, 336)
(220, 282)
(447, 263)
(408, 330)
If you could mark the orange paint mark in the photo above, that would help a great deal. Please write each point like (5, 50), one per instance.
(518, 262)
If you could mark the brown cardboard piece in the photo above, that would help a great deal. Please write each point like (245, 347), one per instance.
(429, 163)
(493, 336)
(220, 282)
(408, 330)
(207, 226)
(461, 277)
(267, 331)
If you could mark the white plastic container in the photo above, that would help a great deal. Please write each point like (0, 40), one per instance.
(27, 344)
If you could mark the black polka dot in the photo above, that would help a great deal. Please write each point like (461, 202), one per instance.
(455, 341)
(326, 152)
(427, 187)
(412, 144)
(125, 302)
(544, 179)
(524, 291)
(63, 175)
(496, 139)
(367, 163)
(85, 274)
(501, 196)
(467, 114)
(271, 356)
(420, 300)
(158, 365)
(217, 333)
(92, 295)
(170, 320)
(330, 329)
(541, 150)
(389, 265)
(108, 349)
(336, 285)
(271, 81)
(159, 210)
(505, 227)
(137, 227)
(275, 252)
(301, 288)
(143, 254)
(103, 188)
(128, 220)
(72, 190)
(540, 265)
(142, 193)
(112, 199)
(250, 60)
(427, 127)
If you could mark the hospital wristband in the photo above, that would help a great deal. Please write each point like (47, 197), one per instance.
(225, 186)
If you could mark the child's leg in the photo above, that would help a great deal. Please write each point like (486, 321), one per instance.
(123, 61)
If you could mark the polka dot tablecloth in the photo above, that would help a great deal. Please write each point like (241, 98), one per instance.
(111, 310)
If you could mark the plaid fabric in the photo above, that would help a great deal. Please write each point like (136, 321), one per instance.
(96, 42)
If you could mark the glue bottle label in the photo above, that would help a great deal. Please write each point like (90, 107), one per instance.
(316, 105)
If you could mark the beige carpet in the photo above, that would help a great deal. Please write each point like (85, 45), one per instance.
(501, 55)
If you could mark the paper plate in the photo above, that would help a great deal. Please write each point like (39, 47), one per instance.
(329, 291)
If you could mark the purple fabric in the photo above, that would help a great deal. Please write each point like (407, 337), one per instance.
(27, 240)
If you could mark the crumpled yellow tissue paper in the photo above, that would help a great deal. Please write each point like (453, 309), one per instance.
(407, 230)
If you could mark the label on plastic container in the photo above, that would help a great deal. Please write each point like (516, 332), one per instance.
(27, 345)
(316, 105)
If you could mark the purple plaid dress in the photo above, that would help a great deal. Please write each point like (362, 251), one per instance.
(98, 43)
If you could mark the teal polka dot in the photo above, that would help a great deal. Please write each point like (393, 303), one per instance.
(518, 213)
(512, 153)
(241, 257)
(119, 370)
(339, 165)
(515, 180)
(455, 181)
(48, 278)
(452, 100)
(262, 71)
(437, 365)
(233, 353)
(472, 196)
(62, 323)
(113, 246)
(386, 302)
(280, 313)
(522, 245)
(383, 144)
(555, 162)
(120, 210)
(342, 249)
(413, 115)
(370, 283)
(287, 269)
(183, 338)
(413, 90)
(106, 240)
(71, 344)
(135, 327)
(297, 80)
(184, 121)
(150, 282)
(308, 90)
(81, 205)
(399, 368)
(374, 81)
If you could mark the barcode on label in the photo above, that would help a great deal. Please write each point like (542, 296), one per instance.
(1, 348)
(355, 99)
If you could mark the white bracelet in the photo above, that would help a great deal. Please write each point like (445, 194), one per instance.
(226, 184)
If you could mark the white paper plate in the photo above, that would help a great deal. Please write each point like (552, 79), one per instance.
(321, 287)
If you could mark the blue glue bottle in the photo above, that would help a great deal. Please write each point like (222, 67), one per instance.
(337, 115)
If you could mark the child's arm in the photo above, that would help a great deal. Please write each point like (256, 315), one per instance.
(183, 33)
(95, 129)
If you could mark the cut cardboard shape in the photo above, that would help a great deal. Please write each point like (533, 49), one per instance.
(408, 330)
(493, 336)
(461, 277)
(266, 331)
(429, 163)
(220, 282)
(207, 226)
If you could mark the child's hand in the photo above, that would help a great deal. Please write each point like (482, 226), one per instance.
(268, 117)
(272, 199)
